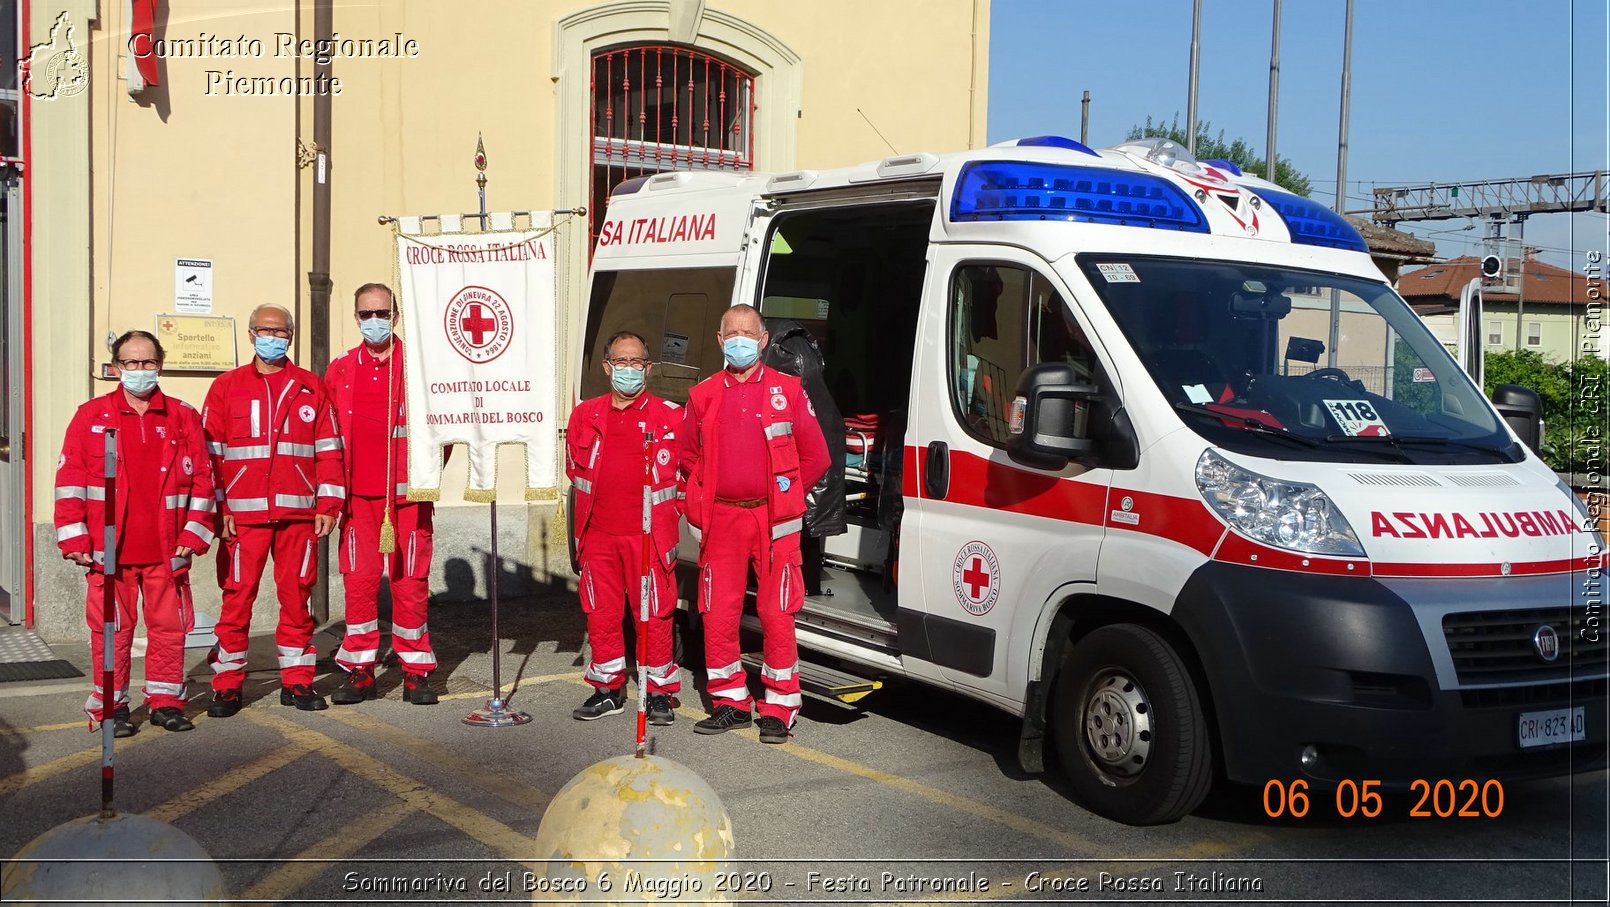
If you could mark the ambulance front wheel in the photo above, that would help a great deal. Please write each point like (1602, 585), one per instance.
(1129, 727)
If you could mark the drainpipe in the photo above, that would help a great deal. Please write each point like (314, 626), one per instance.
(318, 279)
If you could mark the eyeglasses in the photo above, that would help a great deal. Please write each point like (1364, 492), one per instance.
(272, 332)
(366, 314)
(138, 365)
(630, 363)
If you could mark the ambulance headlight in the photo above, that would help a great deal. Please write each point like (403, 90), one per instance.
(1295, 516)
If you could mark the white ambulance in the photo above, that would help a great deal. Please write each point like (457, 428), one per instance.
(1145, 451)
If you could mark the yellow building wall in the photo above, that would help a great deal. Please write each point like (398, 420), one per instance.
(190, 171)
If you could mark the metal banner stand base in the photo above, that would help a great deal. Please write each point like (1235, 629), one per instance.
(495, 714)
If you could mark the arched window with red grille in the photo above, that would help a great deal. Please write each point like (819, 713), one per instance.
(662, 107)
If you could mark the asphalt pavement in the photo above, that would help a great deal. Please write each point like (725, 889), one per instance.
(911, 796)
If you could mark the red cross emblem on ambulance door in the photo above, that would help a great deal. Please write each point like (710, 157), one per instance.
(479, 324)
(976, 578)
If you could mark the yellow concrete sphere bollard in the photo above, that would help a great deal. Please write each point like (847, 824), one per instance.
(113, 861)
(635, 831)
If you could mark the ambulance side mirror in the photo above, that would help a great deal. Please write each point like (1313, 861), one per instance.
(1522, 409)
(1049, 424)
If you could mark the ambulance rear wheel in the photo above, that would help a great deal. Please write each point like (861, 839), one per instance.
(1129, 728)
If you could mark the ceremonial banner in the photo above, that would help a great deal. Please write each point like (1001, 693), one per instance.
(478, 318)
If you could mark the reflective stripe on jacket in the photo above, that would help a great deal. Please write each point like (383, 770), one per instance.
(274, 459)
(785, 508)
(338, 380)
(584, 440)
(188, 514)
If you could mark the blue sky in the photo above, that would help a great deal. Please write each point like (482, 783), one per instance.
(1442, 90)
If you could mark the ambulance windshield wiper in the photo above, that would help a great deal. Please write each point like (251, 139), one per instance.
(1248, 423)
(1399, 440)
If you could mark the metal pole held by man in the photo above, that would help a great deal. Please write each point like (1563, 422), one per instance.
(108, 619)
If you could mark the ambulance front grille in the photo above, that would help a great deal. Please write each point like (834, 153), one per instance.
(1396, 479)
(1497, 646)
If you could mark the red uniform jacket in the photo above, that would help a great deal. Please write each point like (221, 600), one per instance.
(338, 380)
(785, 509)
(584, 438)
(274, 459)
(185, 475)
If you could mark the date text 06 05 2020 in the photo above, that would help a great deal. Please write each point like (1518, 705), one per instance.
(1442, 799)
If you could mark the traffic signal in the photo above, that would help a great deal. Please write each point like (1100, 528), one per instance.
(1492, 266)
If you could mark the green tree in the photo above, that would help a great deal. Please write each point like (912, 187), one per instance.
(1576, 401)
(1238, 152)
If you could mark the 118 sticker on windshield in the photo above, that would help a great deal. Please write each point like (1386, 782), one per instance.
(1357, 418)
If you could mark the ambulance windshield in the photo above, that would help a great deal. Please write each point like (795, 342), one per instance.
(1297, 364)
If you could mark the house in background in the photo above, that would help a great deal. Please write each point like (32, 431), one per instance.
(1554, 310)
(1392, 250)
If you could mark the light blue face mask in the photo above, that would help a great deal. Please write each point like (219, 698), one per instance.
(741, 352)
(271, 349)
(375, 330)
(138, 382)
(627, 381)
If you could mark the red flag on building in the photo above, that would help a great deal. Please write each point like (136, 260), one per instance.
(140, 14)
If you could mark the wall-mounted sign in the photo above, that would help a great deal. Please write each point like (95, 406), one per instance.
(197, 343)
(192, 286)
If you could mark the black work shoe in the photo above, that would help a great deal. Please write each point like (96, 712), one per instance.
(772, 729)
(224, 703)
(726, 718)
(171, 719)
(601, 703)
(303, 697)
(359, 685)
(416, 689)
(661, 709)
(121, 725)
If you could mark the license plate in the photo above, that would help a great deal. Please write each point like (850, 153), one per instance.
(1553, 726)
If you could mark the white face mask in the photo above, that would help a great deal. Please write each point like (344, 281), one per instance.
(375, 330)
(138, 382)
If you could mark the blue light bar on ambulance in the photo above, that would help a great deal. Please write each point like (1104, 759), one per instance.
(1055, 141)
(1313, 224)
(627, 187)
(1023, 190)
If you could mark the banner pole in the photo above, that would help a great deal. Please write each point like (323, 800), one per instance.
(108, 624)
(495, 714)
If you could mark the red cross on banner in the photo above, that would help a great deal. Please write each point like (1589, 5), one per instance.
(477, 324)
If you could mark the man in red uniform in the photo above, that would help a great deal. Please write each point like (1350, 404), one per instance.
(367, 385)
(164, 516)
(604, 462)
(276, 452)
(751, 448)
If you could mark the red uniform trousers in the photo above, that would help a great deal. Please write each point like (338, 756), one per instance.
(741, 538)
(168, 617)
(611, 570)
(240, 572)
(408, 569)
